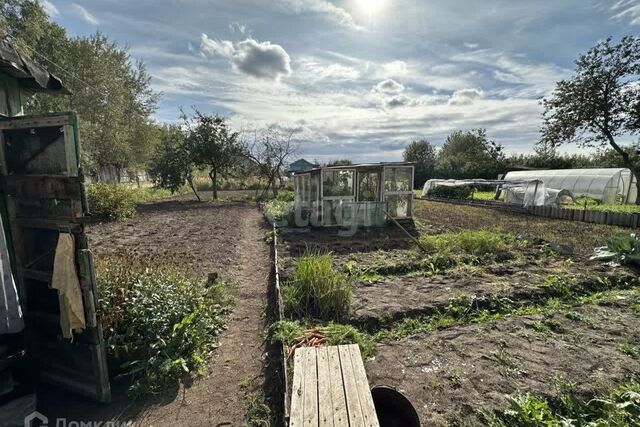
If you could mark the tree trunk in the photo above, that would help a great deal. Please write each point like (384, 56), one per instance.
(213, 174)
(193, 188)
(626, 159)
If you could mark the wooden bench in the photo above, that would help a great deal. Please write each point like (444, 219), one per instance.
(330, 388)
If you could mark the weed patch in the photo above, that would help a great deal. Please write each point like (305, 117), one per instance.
(468, 242)
(621, 407)
(159, 322)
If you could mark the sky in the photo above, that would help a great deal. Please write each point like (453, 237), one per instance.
(358, 79)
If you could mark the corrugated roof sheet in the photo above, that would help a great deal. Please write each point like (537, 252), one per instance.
(29, 75)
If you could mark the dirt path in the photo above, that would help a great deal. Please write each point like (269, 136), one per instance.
(217, 399)
(221, 238)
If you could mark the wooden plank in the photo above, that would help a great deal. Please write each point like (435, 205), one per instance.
(310, 400)
(366, 401)
(338, 401)
(325, 405)
(297, 389)
(350, 388)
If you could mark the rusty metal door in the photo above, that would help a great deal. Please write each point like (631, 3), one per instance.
(42, 186)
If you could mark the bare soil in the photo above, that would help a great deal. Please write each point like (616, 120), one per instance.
(223, 238)
(450, 374)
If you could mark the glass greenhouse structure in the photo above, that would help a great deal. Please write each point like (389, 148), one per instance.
(363, 194)
(609, 185)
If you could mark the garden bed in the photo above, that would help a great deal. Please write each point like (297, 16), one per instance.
(476, 318)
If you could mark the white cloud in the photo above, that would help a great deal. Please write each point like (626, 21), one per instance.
(471, 45)
(49, 8)
(84, 14)
(389, 87)
(399, 101)
(395, 68)
(258, 59)
(311, 69)
(627, 10)
(323, 7)
(465, 96)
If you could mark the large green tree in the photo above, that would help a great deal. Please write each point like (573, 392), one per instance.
(171, 165)
(423, 153)
(470, 154)
(110, 92)
(212, 145)
(600, 103)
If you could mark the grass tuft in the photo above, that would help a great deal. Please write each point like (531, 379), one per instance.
(468, 242)
(317, 289)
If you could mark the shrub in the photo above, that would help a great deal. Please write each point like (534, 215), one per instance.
(317, 289)
(279, 211)
(159, 322)
(286, 196)
(445, 192)
(110, 201)
(468, 242)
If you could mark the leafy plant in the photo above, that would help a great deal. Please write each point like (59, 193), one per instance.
(110, 201)
(623, 248)
(317, 289)
(159, 322)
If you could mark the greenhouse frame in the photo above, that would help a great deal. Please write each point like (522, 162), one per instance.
(608, 185)
(361, 194)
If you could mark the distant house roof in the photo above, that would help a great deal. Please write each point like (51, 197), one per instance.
(29, 76)
(301, 165)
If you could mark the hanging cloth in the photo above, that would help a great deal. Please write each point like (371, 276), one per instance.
(11, 320)
(65, 280)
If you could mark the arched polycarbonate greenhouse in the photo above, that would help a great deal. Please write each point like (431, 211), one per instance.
(609, 185)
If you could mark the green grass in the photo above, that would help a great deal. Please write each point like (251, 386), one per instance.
(469, 242)
(317, 289)
(594, 205)
(619, 407)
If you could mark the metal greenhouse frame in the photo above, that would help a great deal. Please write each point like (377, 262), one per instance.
(362, 194)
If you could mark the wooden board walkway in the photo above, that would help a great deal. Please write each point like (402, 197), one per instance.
(330, 388)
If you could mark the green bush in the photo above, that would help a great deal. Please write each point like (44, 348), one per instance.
(285, 196)
(445, 192)
(115, 202)
(159, 322)
(278, 210)
(468, 242)
(317, 289)
(110, 201)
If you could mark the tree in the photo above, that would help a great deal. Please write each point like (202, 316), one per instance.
(111, 93)
(424, 155)
(170, 165)
(470, 154)
(211, 144)
(269, 150)
(600, 102)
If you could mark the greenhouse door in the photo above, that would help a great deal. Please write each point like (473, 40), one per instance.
(43, 197)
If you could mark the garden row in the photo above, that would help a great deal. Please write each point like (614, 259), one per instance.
(506, 296)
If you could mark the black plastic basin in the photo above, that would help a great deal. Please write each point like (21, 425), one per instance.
(393, 408)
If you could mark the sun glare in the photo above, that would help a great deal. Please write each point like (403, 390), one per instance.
(371, 6)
